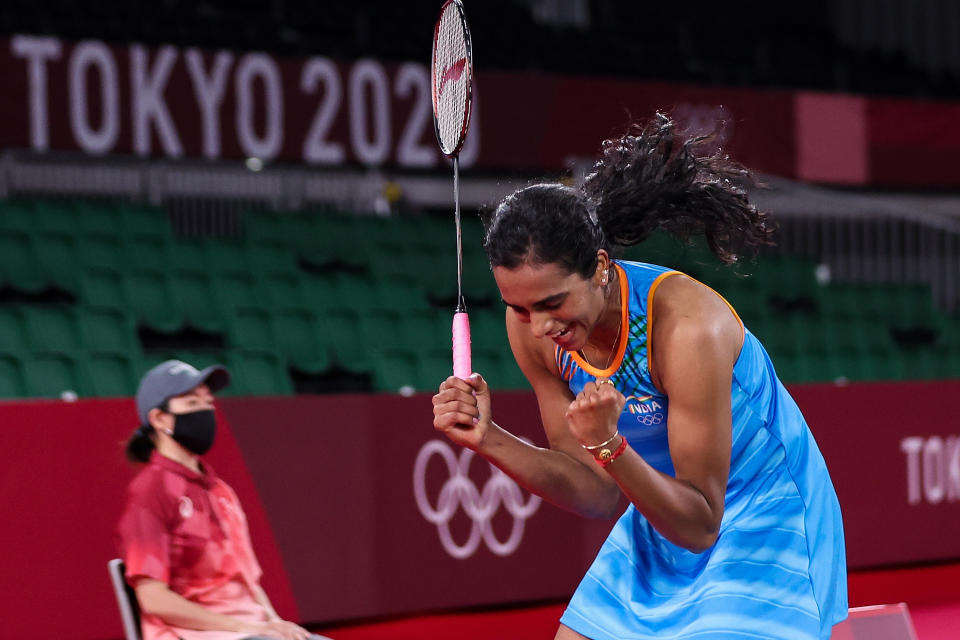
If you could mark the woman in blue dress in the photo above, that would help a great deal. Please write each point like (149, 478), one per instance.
(650, 387)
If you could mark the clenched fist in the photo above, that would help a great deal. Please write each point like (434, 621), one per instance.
(593, 414)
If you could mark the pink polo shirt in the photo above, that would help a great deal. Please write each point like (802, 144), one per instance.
(188, 530)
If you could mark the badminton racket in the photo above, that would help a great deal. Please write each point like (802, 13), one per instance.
(451, 83)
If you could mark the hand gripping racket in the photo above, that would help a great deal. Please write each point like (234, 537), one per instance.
(451, 83)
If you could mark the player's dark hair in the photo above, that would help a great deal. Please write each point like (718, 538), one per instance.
(140, 445)
(647, 179)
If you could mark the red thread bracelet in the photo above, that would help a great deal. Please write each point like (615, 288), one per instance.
(603, 461)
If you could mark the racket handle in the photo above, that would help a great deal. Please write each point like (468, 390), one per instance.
(462, 367)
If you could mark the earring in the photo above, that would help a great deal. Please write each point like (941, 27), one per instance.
(603, 279)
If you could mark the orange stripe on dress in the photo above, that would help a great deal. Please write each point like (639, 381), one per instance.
(624, 332)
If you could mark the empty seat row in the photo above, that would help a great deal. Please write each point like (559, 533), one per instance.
(65, 375)
(83, 219)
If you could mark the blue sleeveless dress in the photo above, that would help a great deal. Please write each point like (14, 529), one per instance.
(778, 567)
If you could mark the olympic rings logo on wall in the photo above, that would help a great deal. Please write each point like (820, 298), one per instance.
(480, 505)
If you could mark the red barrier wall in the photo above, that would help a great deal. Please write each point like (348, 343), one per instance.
(329, 486)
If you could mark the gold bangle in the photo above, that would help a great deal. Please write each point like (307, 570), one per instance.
(602, 444)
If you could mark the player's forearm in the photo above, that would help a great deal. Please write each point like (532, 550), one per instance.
(676, 509)
(158, 600)
(553, 475)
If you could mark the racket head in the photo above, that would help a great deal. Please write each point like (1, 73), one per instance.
(451, 77)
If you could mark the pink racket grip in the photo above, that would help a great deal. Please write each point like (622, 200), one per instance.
(462, 367)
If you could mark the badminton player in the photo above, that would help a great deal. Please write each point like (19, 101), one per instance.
(651, 388)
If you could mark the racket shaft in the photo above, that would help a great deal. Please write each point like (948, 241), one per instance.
(462, 367)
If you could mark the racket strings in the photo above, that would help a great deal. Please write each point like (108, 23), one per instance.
(452, 66)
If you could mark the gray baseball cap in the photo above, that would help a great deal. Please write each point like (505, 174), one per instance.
(172, 378)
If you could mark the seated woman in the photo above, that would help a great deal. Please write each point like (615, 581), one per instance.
(183, 534)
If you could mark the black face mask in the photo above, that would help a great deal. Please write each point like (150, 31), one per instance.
(194, 431)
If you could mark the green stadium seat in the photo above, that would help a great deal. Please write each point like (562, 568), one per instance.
(56, 217)
(112, 375)
(488, 329)
(223, 256)
(190, 255)
(301, 232)
(389, 260)
(921, 363)
(399, 294)
(319, 291)
(103, 288)
(11, 377)
(109, 331)
(489, 363)
(281, 290)
(299, 342)
(152, 300)
(98, 219)
(792, 333)
(787, 366)
(19, 267)
(354, 292)
(257, 373)
(335, 241)
(513, 377)
(912, 308)
(57, 257)
(260, 227)
(479, 285)
(193, 295)
(423, 329)
(13, 336)
(433, 367)
(270, 258)
(49, 375)
(252, 329)
(140, 220)
(344, 338)
(51, 330)
(102, 252)
(147, 254)
(235, 289)
(394, 369)
(17, 216)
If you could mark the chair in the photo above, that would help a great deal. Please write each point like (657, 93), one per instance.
(51, 329)
(152, 300)
(193, 291)
(50, 375)
(103, 288)
(102, 252)
(253, 329)
(108, 330)
(299, 342)
(57, 258)
(146, 221)
(112, 375)
(18, 262)
(11, 378)
(394, 369)
(258, 373)
(126, 600)
(877, 622)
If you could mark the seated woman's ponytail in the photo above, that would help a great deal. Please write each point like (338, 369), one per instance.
(140, 445)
